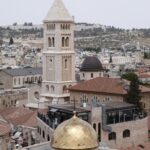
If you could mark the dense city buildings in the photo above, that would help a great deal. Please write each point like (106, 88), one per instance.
(62, 86)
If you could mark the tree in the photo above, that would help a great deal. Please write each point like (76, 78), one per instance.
(15, 24)
(133, 93)
(11, 41)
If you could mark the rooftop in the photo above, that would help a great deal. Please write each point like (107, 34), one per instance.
(23, 71)
(100, 85)
(91, 64)
(20, 116)
(105, 85)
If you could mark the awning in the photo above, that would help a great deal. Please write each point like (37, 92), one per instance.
(53, 110)
(16, 135)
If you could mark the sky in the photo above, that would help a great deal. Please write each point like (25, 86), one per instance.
(118, 13)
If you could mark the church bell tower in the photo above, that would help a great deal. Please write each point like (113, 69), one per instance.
(58, 54)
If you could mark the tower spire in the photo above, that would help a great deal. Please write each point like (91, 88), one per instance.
(58, 12)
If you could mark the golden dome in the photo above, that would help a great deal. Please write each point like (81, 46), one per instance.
(74, 134)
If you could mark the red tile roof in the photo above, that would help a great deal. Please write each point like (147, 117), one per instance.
(4, 128)
(104, 85)
(20, 116)
(100, 85)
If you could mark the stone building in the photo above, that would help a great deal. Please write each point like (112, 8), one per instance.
(105, 89)
(115, 123)
(18, 78)
(13, 98)
(91, 68)
(58, 54)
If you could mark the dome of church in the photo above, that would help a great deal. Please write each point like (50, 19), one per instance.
(90, 64)
(74, 134)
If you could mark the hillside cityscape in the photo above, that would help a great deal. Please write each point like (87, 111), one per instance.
(68, 86)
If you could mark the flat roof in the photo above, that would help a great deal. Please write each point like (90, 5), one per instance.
(118, 105)
(69, 108)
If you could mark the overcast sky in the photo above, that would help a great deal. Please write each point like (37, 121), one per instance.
(119, 13)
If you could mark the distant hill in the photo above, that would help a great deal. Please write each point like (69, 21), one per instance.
(86, 35)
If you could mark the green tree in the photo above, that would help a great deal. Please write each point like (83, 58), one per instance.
(133, 93)
(11, 41)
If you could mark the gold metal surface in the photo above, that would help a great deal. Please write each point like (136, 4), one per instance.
(74, 134)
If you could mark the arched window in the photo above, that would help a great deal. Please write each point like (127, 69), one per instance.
(49, 42)
(126, 133)
(32, 79)
(63, 41)
(67, 42)
(94, 126)
(14, 81)
(70, 86)
(47, 88)
(36, 95)
(23, 80)
(40, 130)
(92, 75)
(51, 63)
(36, 79)
(68, 26)
(28, 79)
(52, 88)
(19, 81)
(65, 63)
(112, 136)
(40, 78)
(63, 26)
(65, 89)
(43, 134)
(99, 131)
(53, 41)
(83, 75)
(48, 138)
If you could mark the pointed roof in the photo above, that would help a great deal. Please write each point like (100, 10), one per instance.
(58, 12)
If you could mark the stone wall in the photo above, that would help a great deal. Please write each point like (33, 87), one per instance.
(7, 80)
(100, 97)
(42, 127)
(138, 134)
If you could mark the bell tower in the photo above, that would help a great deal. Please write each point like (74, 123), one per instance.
(58, 54)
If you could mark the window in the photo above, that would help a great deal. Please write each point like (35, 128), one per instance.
(91, 75)
(65, 63)
(49, 42)
(94, 126)
(51, 63)
(99, 131)
(48, 138)
(43, 134)
(47, 88)
(15, 81)
(63, 41)
(52, 88)
(83, 75)
(53, 41)
(126, 133)
(67, 42)
(65, 89)
(112, 136)
(19, 81)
